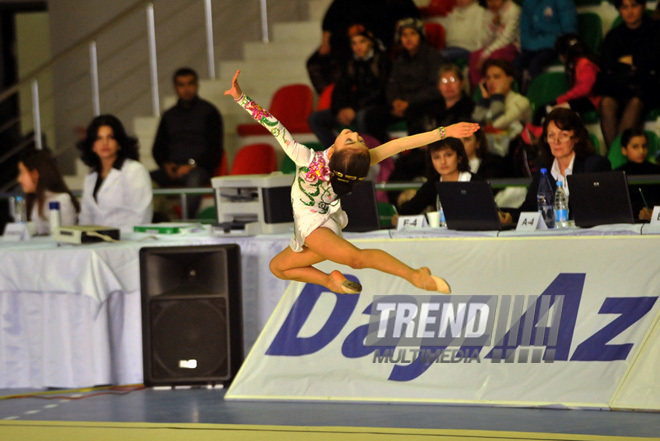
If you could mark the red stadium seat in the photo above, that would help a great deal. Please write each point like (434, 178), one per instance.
(254, 159)
(291, 105)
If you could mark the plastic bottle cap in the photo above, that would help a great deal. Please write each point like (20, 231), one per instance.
(54, 205)
(560, 184)
(19, 198)
(544, 170)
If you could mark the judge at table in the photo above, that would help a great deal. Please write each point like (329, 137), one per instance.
(117, 192)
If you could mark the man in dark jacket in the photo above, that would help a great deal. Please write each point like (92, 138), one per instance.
(189, 142)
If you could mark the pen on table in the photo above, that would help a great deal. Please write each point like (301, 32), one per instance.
(643, 198)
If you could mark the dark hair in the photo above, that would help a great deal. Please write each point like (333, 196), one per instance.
(506, 66)
(567, 119)
(619, 3)
(482, 142)
(128, 147)
(572, 47)
(346, 167)
(450, 67)
(50, 179)
(629, 134)
(184, 72)
(454, 144)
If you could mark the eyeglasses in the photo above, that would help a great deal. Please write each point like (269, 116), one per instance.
(448, 80)
(560, 138)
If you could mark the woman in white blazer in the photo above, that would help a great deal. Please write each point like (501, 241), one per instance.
(117, 192)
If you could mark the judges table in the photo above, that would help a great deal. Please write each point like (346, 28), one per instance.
(70, 314)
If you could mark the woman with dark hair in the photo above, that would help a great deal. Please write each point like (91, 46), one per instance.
(564, 149)
(446, 162)
(117, 191)
(42, 182)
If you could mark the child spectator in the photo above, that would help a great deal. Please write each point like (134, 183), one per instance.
(501, 110)
(580, 65)
(359, 92)
(635, 147)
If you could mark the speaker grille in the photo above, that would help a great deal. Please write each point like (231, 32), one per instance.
(189, 338)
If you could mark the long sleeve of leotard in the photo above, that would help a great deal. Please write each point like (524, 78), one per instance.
(300, 154)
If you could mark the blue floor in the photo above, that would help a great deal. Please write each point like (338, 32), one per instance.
(208, 406)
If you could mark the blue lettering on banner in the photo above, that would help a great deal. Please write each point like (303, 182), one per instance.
(631, 309)
(532, 334)
(287, 341)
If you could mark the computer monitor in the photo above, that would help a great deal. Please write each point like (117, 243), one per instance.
(600, 199)
(361, 207)
(469, 206)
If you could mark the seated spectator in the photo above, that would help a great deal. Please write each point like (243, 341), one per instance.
(453, 105)
(580, 65)
(502, 39)
(565, 149)
(359, 91)
(412, 85)
(414, 79)
(634, 146)
(327, 62)
(42, 182)
(462, 37)
(541, 23)
(630, 70)
(502, 111)
(447, 162)
(117, 191)
(189, 142)
(482, 162)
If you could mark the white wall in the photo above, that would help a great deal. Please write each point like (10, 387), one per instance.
(122, 52)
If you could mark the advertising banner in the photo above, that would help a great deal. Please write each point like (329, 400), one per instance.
(531, 321)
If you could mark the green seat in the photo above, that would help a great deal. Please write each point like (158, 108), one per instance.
(590, 29)
(207, 215)
(616, 157)
(546, 87)
(385, 212)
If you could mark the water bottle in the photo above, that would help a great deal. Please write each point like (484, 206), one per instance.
(561, 206)
(20, 209)
(54, 216)
(545, 200)
(443, 222)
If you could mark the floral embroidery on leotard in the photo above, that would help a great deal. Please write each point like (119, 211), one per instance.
(315, 175)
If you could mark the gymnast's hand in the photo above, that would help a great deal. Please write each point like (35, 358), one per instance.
(461, 130)
(235, 90)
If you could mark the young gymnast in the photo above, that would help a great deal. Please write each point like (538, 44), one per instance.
(321, 177)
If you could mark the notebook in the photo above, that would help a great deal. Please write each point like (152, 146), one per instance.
(361, 207)
(470, 206)
(600, 198)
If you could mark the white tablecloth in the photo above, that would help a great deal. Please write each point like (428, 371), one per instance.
(70, 315)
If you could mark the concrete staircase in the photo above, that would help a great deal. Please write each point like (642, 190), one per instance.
(265, 68)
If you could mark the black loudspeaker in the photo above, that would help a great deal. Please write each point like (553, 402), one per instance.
(192, 321)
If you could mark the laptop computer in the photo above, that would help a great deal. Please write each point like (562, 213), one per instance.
(600, 198)
(470, 206)
(361, 207)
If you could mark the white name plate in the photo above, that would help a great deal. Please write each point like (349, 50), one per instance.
(530, 221)
(413, 221)
(655, 216)
(16, 232)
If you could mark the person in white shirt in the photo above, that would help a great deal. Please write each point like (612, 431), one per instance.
(42, 183)
(462, 36)
(117, 192)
